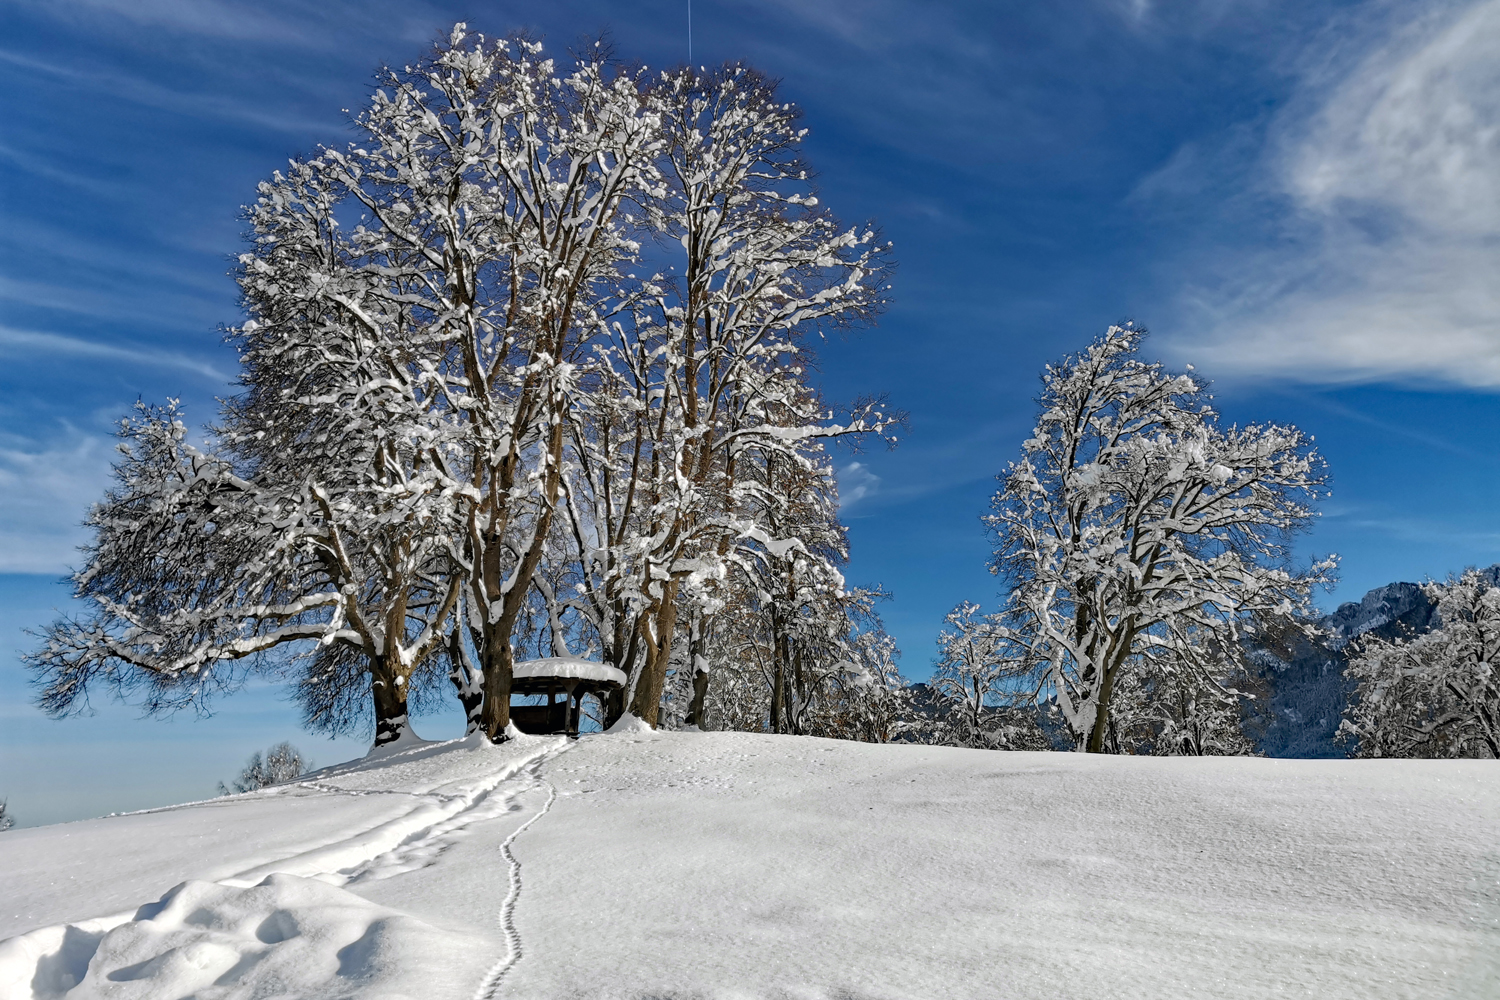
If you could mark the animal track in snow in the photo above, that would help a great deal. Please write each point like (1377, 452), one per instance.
(490, 987)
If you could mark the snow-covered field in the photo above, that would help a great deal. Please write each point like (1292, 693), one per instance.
(675, 865)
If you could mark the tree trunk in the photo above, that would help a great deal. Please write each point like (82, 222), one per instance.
(622, 656)
(468, 682)
(700, 696)
(799, 688)
(613, 706)
(497, 657)
(498, 662)
(647, 704)
(778, 688)
(1114, 662)
(1101, 713)
(700, 676)
(388, 692)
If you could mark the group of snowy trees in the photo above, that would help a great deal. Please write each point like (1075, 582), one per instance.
(524, 369)
(1145, 549)
(283, 762)
(1146, 553)
(1436, 694)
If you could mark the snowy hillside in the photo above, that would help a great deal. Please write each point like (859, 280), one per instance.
(726, 865)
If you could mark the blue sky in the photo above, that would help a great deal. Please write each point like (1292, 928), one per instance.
(1302, 199)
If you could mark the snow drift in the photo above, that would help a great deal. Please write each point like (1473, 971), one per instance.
(287, 936)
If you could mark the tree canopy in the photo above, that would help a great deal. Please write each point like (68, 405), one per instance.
(527, 360)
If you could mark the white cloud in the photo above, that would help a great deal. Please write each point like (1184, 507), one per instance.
(1415, 130)
(1389, 266)
(32, 342)
(44, 495)
(856, 482)
(202, 105)
(1423, 311)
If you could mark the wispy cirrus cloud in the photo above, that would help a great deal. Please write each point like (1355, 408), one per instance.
(51, 171)
(35, 342)
(1482, 543)
(211, 18)
(44, 494)
(856, 482)
(188, 102)
(1389, 428)
(1383, 183)
(184, 310)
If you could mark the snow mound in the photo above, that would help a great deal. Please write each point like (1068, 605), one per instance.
(286, 937)
(629, 723)
(570, 667)
(406, 742)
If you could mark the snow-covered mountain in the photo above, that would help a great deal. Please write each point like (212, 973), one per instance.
(1309, 690)
(729, 865)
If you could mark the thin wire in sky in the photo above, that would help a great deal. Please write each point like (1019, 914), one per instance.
(690, 30)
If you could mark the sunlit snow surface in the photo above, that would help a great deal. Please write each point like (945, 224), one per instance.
(654, 865)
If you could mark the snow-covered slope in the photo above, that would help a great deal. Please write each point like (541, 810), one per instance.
(643, 864)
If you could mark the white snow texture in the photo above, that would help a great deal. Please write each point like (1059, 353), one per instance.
(287, 936)
(642, 864)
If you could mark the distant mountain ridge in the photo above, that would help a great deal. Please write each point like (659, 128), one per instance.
(1310, 692)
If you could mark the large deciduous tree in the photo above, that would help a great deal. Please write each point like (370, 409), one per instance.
(488, 197)
(523, 290)
(704, 373)
(1138, 534)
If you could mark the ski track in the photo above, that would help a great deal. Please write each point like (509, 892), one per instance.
(489, 989)
(319, 786)
(405, 843)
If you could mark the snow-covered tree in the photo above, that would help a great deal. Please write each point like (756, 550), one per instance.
(707, 364)
(863, 698)
(1438, 694)
(340, 404)
(283, 762)
(1134, 527)
(985, 687)
(7, 819)
(839, 677)
(299, 525)
(468, 320)
(1167, 709)
(488, 193)
(414, 303)
(196, 570)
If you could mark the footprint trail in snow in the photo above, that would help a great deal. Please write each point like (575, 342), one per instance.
(489, 989)
(288, 922)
